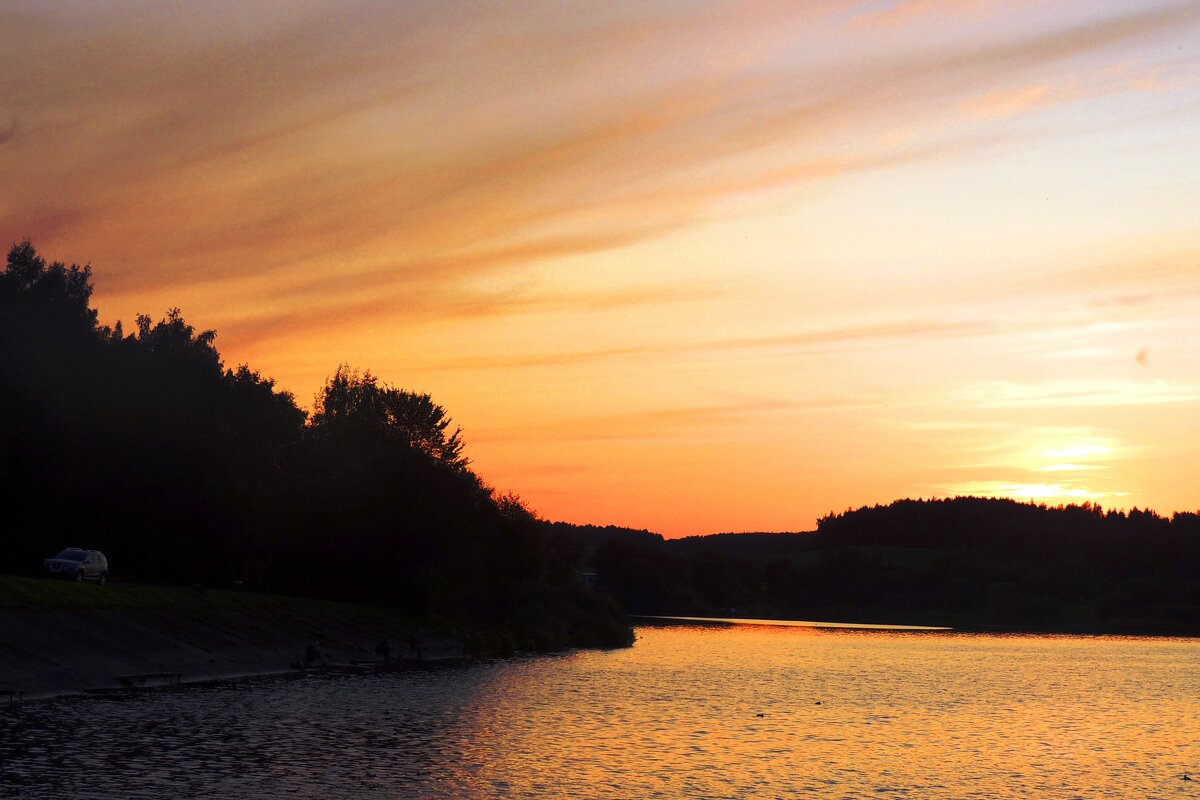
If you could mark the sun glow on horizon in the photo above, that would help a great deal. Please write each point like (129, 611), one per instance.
(1028, 492)
(1078, 451)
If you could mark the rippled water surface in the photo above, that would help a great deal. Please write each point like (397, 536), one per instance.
(689, 712)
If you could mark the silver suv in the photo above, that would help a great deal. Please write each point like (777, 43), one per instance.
(80, 565)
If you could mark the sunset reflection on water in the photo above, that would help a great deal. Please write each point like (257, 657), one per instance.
(691, 711)
(928, 715)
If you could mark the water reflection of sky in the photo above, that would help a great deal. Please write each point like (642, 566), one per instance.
(792, 623)
(690, 711)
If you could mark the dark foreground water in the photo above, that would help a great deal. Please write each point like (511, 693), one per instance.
(689, 712)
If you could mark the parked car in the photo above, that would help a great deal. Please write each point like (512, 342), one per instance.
(80, 565)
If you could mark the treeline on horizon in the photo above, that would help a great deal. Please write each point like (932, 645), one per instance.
(144, 445)
(963, 562)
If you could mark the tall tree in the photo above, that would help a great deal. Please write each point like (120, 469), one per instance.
(355, 404)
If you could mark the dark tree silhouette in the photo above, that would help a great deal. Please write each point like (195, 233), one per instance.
(357, 405)
(964, 561)
(145, 446)
(52, 297)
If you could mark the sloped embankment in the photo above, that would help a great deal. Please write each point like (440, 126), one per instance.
(58, 637)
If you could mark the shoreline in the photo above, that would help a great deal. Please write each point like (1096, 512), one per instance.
(793, 623)
(61, 639)
(201, 681)
(957, 627)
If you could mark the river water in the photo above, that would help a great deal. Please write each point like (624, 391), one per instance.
(691, 711)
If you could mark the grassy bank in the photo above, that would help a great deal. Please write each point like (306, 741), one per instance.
(59, 636)
(38, 594)
(554, 628)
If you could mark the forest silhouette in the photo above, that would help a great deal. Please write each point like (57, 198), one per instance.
(966, 562)
(144, 445)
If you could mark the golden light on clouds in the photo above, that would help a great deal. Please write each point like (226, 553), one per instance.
(690, 266)
(1046, 465)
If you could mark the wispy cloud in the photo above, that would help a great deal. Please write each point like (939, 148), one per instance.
(689, 423)
(1032, 461)
(330, 138)
(1089, 393)
(888, 334)
(901, 12)
(1041, 448)
(1004, 103)
(1039, 492)
(1014, 101)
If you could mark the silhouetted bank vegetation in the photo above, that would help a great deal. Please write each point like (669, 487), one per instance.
(966, 562)
(144, 445)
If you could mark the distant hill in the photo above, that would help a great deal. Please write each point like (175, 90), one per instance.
(965, 562)
(592, 536)
(728, 544)
(744, 545)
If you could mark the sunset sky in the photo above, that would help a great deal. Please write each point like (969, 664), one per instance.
(688, 266)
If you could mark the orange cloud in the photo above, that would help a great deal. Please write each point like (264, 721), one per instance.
(886, 334)
(1079, 393)
(1005, 103)
(198, 160)
(901, 12)
(687, 423)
